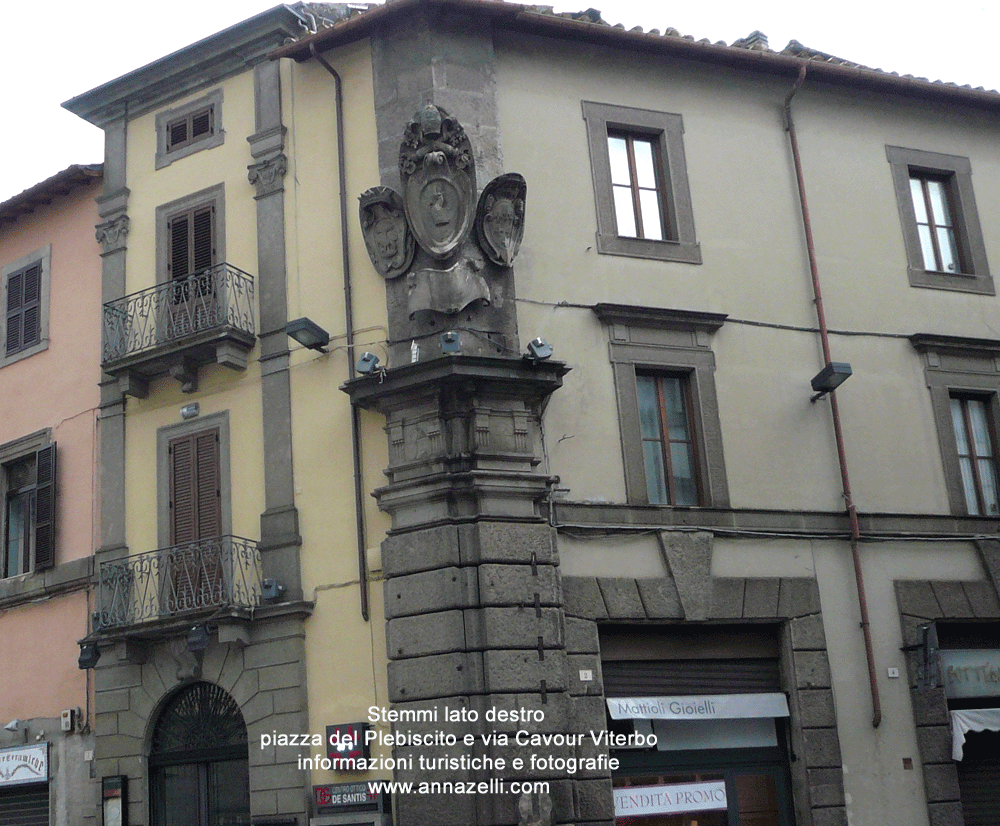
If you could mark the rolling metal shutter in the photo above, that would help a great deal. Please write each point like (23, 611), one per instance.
(653, 678)
(979, 779)
(25, 805)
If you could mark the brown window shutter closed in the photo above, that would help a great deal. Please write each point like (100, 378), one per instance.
(203, 247)
(179, 231)
(45, 507)
(195, 506)
(30, 328)
(15, 300)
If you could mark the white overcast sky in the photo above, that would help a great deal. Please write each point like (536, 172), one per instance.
(61, 48)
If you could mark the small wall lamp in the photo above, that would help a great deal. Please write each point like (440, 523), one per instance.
(830, 378)
(89, 655)
(308, 333)
(198, 638)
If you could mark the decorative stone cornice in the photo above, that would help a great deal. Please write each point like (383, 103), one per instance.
(266, 175)
(112, 234)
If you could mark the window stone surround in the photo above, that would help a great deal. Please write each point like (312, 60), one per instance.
(920, 603)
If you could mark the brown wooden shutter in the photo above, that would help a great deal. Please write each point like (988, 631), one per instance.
(31, 312)
(201, 123)
(195, 502)
(203, 238)
(177, 133)
(45, 507)
(179, 231)
(15, 299)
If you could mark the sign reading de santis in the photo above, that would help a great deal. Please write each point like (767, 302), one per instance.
(24, 764)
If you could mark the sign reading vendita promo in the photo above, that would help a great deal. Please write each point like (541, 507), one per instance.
(675, 798)
(24, 764)
(699, 707)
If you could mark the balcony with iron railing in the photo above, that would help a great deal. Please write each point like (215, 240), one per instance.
(192, 581)
(178, 326)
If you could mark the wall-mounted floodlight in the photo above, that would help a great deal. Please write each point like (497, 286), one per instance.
(830, 378)
(368, 364)
(451, 343)
(190, 411)
(538, 350)
(197, 639)
(13, 725)
(308, 333)
(89, 655)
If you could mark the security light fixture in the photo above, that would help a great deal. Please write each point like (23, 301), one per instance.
(830, 378)
(190, 411)
(451, 344)
(308, 333)
(89, 655)
(271, 590)
(538, 350)
(13, 725)
(368, 364)
(197, 639)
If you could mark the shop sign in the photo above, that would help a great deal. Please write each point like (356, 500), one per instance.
(676, 798)
(339, 796)
(699, 707)
(25, 764)
(970, 672)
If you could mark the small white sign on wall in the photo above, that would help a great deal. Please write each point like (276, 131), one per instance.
(675, 798)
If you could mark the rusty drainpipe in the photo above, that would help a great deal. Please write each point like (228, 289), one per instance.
(824, 335)
(359, 505)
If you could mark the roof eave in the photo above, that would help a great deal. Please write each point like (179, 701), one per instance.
(520, 18)
(195, 66)
(43, 193)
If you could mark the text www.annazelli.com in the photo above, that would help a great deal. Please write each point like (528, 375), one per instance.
(493, 786)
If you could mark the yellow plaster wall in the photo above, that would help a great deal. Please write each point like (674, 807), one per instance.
(220, 389)
(345, 656)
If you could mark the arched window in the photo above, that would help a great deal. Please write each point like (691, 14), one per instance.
(198, 761)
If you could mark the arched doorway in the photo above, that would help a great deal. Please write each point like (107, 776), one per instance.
(198, 771)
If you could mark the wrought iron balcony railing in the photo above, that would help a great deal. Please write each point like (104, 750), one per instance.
(219, 297)
(196, 577)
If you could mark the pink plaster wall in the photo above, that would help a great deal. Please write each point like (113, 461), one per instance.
(58, 389)
(39, 676)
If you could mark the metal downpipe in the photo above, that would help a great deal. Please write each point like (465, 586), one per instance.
(852, 513)
(359, 513)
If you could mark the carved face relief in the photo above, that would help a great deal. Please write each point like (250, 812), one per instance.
(387, 236)
(500, 218)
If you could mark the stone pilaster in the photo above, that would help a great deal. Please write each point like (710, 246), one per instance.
(473, 593)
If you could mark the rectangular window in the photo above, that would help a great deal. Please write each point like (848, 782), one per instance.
(195, 489)
(977, 453)
(640, 183)
(668, 411)
(189, 128)
(24, 322)
(192, 241)
(942, 237)
(23, 308)
(636, 186)
(935, 225)
(28, 485)
(668, 440)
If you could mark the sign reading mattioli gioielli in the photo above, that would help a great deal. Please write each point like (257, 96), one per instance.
(699, 707)
(24, 764)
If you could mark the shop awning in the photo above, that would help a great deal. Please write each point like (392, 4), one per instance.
(699, 707)
(971, 719)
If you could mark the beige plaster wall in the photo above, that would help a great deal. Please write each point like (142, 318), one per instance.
(778, 448)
